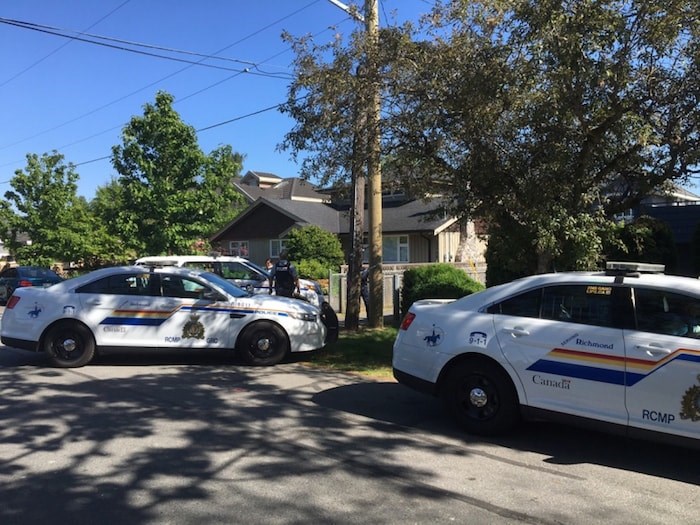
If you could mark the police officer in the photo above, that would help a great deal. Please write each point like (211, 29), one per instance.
(284, 276)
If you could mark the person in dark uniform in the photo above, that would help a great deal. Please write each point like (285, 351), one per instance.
(364, 287)
(284, 278)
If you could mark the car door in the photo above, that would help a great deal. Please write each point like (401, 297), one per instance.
(663, 362)
(121, 309)
(563, 342)
(195, 319)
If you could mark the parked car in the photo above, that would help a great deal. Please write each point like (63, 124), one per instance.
(148, 308)
(21, 276)
(618, 350)
(238, 270)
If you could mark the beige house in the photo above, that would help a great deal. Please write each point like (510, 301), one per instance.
(411, 231)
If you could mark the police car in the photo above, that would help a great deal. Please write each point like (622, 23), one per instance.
(618, 349)
(166, 308)
(238, 270)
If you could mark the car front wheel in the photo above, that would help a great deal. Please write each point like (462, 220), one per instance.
(69, 345)
(481, 397)
(263, 344)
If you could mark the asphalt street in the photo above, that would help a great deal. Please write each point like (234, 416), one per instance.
(186, 438)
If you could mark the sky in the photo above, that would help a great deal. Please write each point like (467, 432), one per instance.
(75, 97)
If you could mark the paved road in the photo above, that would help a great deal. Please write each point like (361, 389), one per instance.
(205, 439)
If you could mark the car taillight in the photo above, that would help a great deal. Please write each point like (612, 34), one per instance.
(24, 283)
(12, 302)
(407, 320)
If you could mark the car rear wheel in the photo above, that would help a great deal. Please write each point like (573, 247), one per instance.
(481, 397)
(69, 345)
(263, 344)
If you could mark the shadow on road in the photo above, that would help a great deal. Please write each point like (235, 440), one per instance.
(392, 403)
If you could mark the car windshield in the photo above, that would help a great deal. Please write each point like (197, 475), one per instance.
(225, 285)
(258, 268)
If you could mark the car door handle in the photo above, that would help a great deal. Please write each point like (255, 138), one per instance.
(93, 302)
(516, 332)
(654, 349)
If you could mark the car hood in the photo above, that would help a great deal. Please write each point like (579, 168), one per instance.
(277, 303)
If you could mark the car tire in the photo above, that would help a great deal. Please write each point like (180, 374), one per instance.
(330, 319)
(481, 397)
(69, 345)
(263, 344)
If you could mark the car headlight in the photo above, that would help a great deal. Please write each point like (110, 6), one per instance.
(303, 316)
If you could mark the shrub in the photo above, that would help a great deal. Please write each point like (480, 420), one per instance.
(435, 281)
(312, 269)
(314, 243)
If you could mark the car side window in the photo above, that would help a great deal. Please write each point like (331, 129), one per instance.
(236, 270)
(523, 305)
(120, 284)
(198, 265)
(181, 287)
(12, 273)
(667, 313)
(584, 304)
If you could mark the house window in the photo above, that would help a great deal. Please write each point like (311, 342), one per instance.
(395, 248)
(276, 246)
(238, 248)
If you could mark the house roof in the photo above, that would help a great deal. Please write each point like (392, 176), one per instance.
(412, 216)
(292, 188)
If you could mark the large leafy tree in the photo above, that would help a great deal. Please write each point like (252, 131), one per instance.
(43, 205)
(545, 117)
(172, 193)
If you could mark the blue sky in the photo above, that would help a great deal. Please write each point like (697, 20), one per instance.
(75, 97)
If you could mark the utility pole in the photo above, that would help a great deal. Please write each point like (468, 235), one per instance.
(374, 175)
(372, 147)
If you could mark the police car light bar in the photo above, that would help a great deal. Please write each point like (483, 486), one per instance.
(620, 266)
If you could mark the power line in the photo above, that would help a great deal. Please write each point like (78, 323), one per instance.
(91, 112)
(36, 63)
(51, 31)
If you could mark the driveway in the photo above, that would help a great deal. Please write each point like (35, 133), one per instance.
(205, 439)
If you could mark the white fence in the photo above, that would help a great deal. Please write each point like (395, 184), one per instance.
(393, 281)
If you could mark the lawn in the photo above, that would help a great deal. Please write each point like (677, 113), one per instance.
(366, 352)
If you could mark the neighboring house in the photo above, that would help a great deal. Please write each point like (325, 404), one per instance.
(410, 233)
(680, 209)
(683, 217)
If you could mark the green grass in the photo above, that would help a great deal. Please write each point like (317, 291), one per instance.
(366, 352)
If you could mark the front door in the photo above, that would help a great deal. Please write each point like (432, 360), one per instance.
(563, 343)
(663, 363)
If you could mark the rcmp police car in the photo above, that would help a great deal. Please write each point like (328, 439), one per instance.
(158, 308)
(617, 349)
(239, 271)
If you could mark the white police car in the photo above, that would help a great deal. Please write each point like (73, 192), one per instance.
(617, 349)
(239, 271)
(158, 308)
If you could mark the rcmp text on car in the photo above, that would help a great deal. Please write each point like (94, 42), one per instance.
(139, 307)
(618, 350)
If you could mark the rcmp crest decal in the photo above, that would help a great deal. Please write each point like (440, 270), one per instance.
(193, 329)
(690, 404)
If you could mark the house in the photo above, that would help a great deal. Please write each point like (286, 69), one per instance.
(411, 231)
(679, 208)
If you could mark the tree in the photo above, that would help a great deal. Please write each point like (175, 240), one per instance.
(312, 243)
(173, 194)
(43, 205)
(545, 118)
(646, 240)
